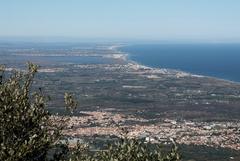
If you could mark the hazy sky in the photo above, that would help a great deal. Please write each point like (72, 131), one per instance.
(215, 20)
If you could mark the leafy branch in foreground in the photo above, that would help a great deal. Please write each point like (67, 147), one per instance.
(135, 150)
(70, 102)
(29, 133)
(24, 122)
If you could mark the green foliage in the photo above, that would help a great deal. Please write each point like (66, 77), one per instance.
(28, 133)
(24, 126)
(70, 102)
(126, 150)
(135, 150)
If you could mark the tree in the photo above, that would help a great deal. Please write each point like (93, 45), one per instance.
(26, 133)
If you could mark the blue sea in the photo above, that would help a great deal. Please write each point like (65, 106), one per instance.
(216, 60)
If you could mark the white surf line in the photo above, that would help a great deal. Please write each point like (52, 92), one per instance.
(156, 69)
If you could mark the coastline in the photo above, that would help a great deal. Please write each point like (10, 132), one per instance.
(117, 48)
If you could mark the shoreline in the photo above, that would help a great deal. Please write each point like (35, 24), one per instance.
(116, 48)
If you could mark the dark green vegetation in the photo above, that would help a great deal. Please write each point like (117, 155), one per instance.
(27, 132)
(24, 121)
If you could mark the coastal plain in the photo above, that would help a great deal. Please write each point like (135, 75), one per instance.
(116, 93)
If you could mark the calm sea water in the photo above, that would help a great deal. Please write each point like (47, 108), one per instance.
(217, 60)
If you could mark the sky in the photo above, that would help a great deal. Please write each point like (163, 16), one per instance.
(206, 20)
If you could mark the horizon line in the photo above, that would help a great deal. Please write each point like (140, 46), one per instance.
(72, 39)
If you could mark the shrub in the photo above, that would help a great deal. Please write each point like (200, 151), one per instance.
(135, 150)
(26, 133)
